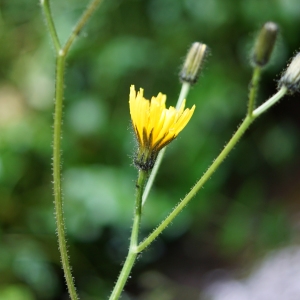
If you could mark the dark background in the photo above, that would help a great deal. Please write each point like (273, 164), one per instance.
(248, 208)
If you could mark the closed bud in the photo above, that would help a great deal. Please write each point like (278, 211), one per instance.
(291, 77)
(192, 64)
(264, 44)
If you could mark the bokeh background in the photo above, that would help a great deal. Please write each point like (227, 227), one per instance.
(249, 208)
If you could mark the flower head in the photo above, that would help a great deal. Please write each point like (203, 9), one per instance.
(154, 125)
(265, 44)
(291, 77)
(192, 63)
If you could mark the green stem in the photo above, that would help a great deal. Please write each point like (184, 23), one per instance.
(248, 120)
(153, 175)
(60, 68)
(183, 94)
(253, 89)
(59, 94)
(185, 88)
(132, 253)
(265, 106)
(233, 141)
(47, 11)
(82, 21)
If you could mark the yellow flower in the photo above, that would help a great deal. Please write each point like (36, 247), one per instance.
(154, 125)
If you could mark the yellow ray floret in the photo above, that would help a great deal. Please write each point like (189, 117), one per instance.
(154, 125)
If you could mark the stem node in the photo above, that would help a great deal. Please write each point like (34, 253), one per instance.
(61, 53)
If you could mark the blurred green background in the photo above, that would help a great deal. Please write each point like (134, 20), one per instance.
(249, 207)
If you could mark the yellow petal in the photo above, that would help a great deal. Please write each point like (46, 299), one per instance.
(155, 125)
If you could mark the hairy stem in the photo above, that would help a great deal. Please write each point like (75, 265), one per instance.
(57, 135)
(198, 185)
(265, 106)
(132, 253)
(214, 166)
(82, 21)
(253, 89)
(47, 11)
(60, 67)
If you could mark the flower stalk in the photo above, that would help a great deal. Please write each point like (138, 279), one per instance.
(135, 248)
(132, 253)
(61, 54)
(251, 115)
(253, 89)
(263, 48)
(214, 166)
(188, 76)
(217, 162)
(155, 126)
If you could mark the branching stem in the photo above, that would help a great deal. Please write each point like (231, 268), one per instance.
(216, 163)
(82, 21)
(61, 54)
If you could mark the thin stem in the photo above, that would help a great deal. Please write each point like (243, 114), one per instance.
(233, 141)
(253, 89)
(60, 67)
(183, 94)
(84, 18)
(59, 94)
(132, 253)
(153, 175)
(248, 120)
(47, 11)
(265, 106)
(185, 88)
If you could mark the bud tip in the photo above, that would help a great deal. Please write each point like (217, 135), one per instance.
(264, 44)
(192, 64)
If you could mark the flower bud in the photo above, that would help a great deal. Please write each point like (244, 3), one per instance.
(264, 44)
(291, 77)
(191, 67)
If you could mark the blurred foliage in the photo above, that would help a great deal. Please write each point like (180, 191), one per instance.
(249, 206)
